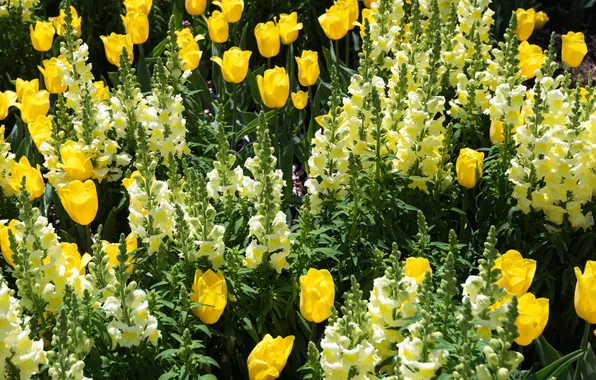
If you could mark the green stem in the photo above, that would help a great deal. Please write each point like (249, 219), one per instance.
(336, 43)
(234, 107)
(88, 239)
(42, 84)
(313, 332)
(583, 346)
(347, 61)
(268, 63)
(277, 148)
(464, 215)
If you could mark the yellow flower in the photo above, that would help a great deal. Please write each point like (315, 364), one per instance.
(79, 200)
(190, 53)
(317, 294)
(143, 6)
(531, 58)
(267, 35)
(274, 87)
(525, 23)
(210, 290)
(288, 27)
(353, 11)
(73, 258)
(5, 241)
(368, 15)
(51, 76)
(42, 36)
(24, 86)
(75, 161)
(40, 130)
(130, 180)
(7, 100)
(269, 357)
(218, 27)
(540, 19)
(195, 7)
(34, 181)
(416, 268)
(34, 104)
(103, 91)
(59, 22)
(308, 68)
(585, 292)
(137, 26)
(517, 273)
(469, 167)
(234, 65)
(113, 249)
(300, 99)
(114, 44)
(335, 21)
(532, 318)
(368, 3)
(496, 129)
(231, 9)
(574, 48)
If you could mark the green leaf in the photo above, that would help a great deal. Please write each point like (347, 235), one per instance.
(110, 226)
(252, 83)
(548, 355)
(557, 368)
(252, 126)
(143, 71)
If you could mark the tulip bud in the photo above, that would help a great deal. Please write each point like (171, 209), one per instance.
(218, 27)
(574, 48)
(416, 268)
(531, 58)
(231, 9)
(195, 7)
(42, 36)
(114, 44)
(300, 99)
(274, 87)
(335, 21)
(80, 201)
(585, 292)
(24, 86)
(7, 100)
(75, 161)
(540, 19)
(137, 26)
(190, 53)
(59, 22)
(525, 23)
(353, 11)
(234, 65)
(210, 290)
(268, 40)
(5, 240)
(33, 179)
(269, 357)
(317, 294)
(288, 26)
(308, 68)
(469, 167)
(112, 250)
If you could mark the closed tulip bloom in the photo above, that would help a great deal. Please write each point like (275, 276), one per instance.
(137, 26)
(574, 48)
(40, 130)
(51, 75)
(33, 179)
(190, 53)
(300, 99)
(195, 7)
(210, 290)
(73, 258)
(42, 36)
(288, 27)
(317, 294)
(585, 292)
(335, 21)
(7, 100)
(75, 161)
(308, 68)
(540, 19)
(59, 22)
(353, 12)
(469, 167)
(532, 318)
(517, 273)
(35, 104)
(274, 87)
(143, 6)
(234, 65)
(231, 9)
(113, 44)
(531, 58)
(416, 268)
(24, 86)
(269, 357)
(218, 27)
(525, 23)
(268, 40)
(80, 201)
(103, 91)
(5, 241)
(367, 15)
(112, 250)
(496, 129)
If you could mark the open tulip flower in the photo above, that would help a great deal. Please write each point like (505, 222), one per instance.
(210, 290)
(531, 58)
(34, 104)
(574, 48)
(231, 9)
(73, 258)
(234, 65)
(268, 40)
(24, 86)
(353, 11)
(288, 27)
(517, 273)
(269, 357)
(113, 44)
(532, 318)
(52, 76)
(42, 36)
(80, 201)
(190, 53)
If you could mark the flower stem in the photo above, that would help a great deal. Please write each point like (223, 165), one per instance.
(277, 147)
(583, 346)
(88, 239)
(347, 61)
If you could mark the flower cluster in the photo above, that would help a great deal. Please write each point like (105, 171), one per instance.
(25, 6)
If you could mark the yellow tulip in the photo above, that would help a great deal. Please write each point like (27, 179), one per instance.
(353, 11)
(40, 130)
(531, 58)
(269, 357)
(79, 200)
(540, 19)
(51, 75)
(469, 167)
(369, 3)
(137, 26)
(368, 15)
(75, 161)
(288, 27)
(195, 7)
(525, 23)
(143, 6)
(24, 86)
(532, 318)
(496, 129)
(335, 21)
(5, 241)
(112, 250)
(267, 35)
(59, 22)
(34, 104)
(274, 87)
(73, 258)
(218, 27)
(114, 44)
(308, 68)
(231, 9)
(210, 290)
(33, 183)
(517, 273)
(234, 65)
(300, 99)
(130, 180)
(585, 292)
(103, 91)
(416, 268)
(317, 294)
(7, 100)
(42, 36)
(574, 48)
(190, 53)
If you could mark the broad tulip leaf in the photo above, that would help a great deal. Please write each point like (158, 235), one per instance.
(549, 355)
(558, 367)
